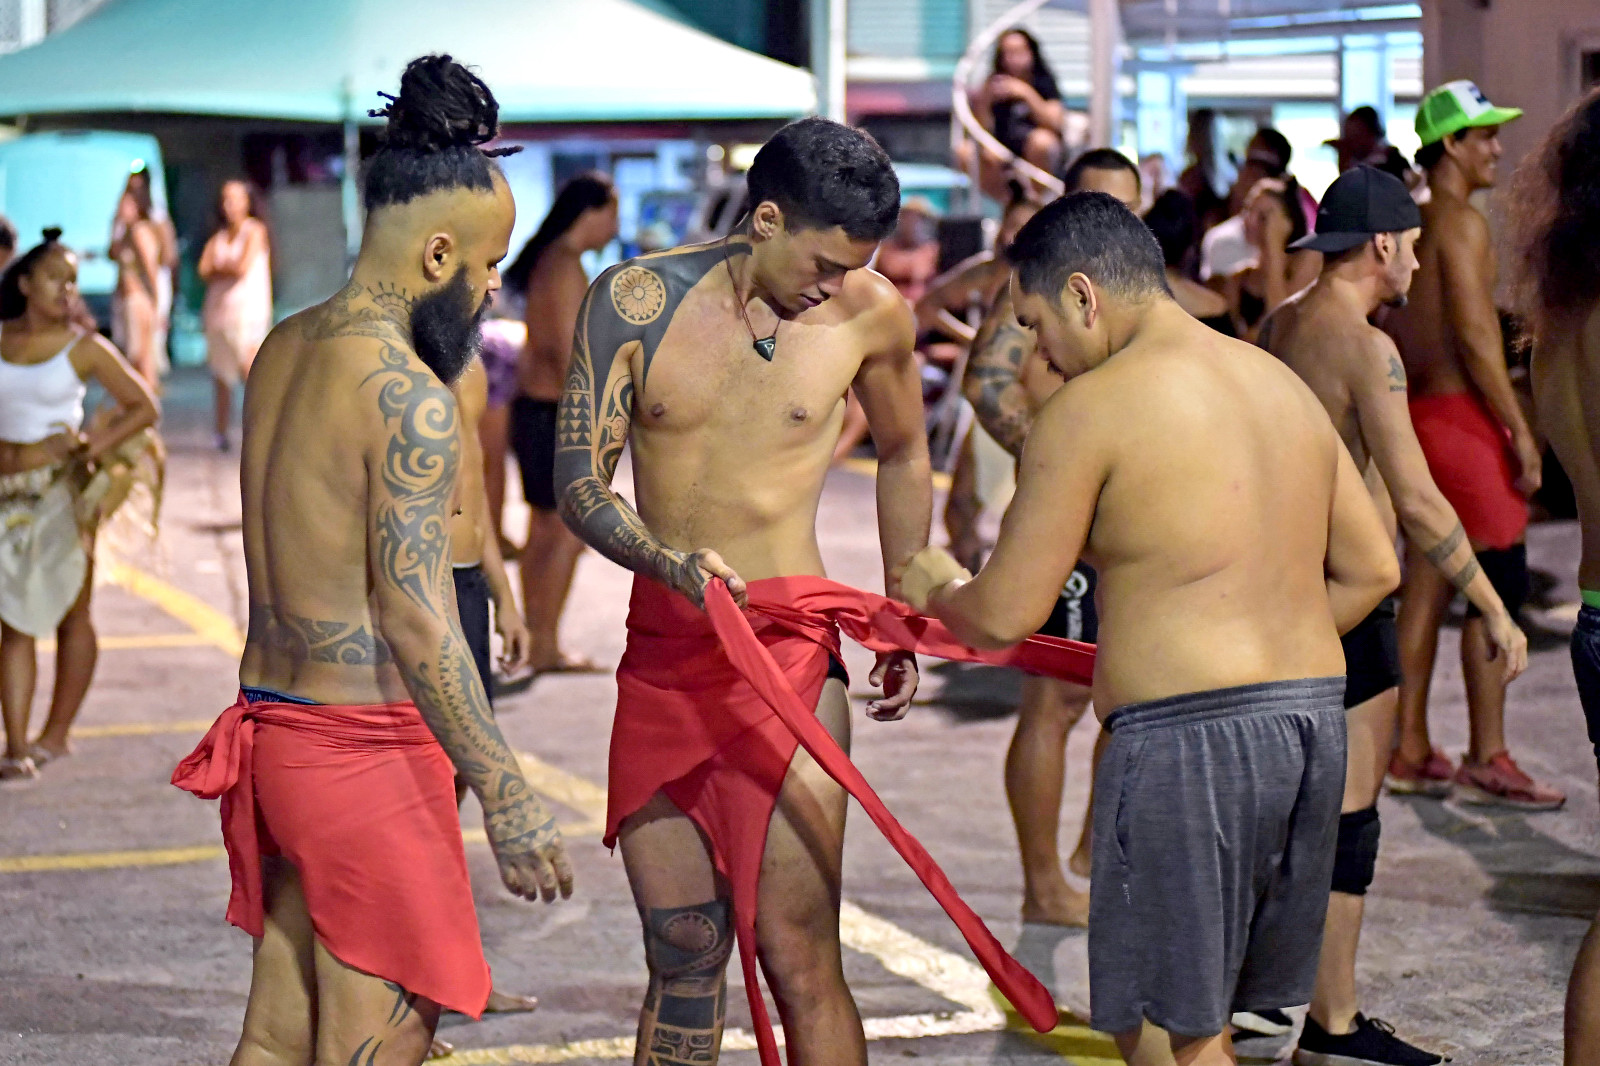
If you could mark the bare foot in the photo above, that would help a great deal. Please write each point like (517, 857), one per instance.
(564, 663)
(1065, 907)
(440, 1049)
(1079, 863)
(505, 1003)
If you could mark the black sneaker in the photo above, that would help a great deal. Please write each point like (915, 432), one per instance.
(1371, 1043)
(1270, 1022)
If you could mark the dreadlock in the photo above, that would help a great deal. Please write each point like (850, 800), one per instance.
(443, 114)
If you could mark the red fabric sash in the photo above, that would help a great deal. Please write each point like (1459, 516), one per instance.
(361, 799)
(710, 712)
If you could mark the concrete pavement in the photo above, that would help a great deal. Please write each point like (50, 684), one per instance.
(112, 887)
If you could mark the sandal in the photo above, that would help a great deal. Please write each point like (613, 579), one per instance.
(18, 771)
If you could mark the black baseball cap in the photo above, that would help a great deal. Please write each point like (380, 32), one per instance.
(1364, 201)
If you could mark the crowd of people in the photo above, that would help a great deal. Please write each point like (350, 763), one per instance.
(1216, 410)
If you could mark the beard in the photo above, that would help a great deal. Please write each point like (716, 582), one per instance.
(446, 330)
(1394, 303)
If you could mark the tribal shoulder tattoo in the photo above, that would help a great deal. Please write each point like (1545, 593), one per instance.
(629, 305)
(994, 376)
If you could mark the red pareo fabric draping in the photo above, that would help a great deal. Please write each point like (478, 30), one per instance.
(361, 799)
(712, 704)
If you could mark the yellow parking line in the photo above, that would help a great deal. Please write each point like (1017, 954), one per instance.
(205, 620)
(106, 860)
(126, 642)
(139, 729)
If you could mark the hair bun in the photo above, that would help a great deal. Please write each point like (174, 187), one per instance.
(442, 105)
(52, 234)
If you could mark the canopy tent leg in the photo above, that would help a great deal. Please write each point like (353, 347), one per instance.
(829, 19)
(1105, 60)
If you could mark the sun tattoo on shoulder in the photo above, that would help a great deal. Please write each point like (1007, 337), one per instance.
(638, 295)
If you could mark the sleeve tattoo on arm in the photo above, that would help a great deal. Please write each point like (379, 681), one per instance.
(420, 460)
(625, 305)
(996, 369)
(1440, 554)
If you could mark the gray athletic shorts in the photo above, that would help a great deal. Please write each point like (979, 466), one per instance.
(1215, 819)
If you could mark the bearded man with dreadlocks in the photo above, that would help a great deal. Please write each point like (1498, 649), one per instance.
(359, 702)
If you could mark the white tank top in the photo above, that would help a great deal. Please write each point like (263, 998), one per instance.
(38, 400)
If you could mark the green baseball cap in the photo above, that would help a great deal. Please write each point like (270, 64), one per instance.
(1456, 106)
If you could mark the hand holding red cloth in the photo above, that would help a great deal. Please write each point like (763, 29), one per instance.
(710, 713)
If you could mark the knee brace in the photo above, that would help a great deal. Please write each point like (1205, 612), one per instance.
(1356, 855)
(1507, 571)
(687, 948)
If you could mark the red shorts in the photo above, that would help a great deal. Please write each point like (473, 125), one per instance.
(1469, 455)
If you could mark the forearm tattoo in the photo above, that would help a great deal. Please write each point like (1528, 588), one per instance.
(994, 377)
(628, 305)
(1439, 556)
(412, 556)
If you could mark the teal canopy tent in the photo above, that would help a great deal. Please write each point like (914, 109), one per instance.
(325, 61)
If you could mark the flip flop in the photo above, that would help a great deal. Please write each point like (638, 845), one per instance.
(17, 772)
(43, 756)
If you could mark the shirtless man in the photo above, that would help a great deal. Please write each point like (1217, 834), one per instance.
(349, 468)
(725, 367)
(1560, 299)
(1367, 228)
(1234, 543)
(550, 272)
(1463, 409)
(1007, 381)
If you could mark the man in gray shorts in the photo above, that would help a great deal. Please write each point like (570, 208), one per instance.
(1234, 542)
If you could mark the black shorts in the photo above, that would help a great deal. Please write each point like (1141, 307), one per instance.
(472, 604)
(1074, 616)
(533, 439)
(1586, 668)
(1371, 656)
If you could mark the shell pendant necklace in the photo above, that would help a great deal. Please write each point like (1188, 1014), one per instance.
(765, 347)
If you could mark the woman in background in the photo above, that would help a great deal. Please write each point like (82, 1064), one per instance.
(236, 267)
(136, 247)
(1020, 104)
(1274, 218)
(46, 459)
(1172, 218)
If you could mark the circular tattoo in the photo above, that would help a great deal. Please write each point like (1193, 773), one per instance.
(690, 931)
(638, 295)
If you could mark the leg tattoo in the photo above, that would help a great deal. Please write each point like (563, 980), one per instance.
(688, 949)
(404, 1002)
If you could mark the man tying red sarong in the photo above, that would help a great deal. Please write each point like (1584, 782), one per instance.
(726, 367)
(338, 805)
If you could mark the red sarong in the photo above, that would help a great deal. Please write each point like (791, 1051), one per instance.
(710, 711)
(1469, 455)
(361, 800)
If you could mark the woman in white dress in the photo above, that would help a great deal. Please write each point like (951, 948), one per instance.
(236, 267)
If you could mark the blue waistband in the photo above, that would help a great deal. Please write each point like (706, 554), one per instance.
(257, 694)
